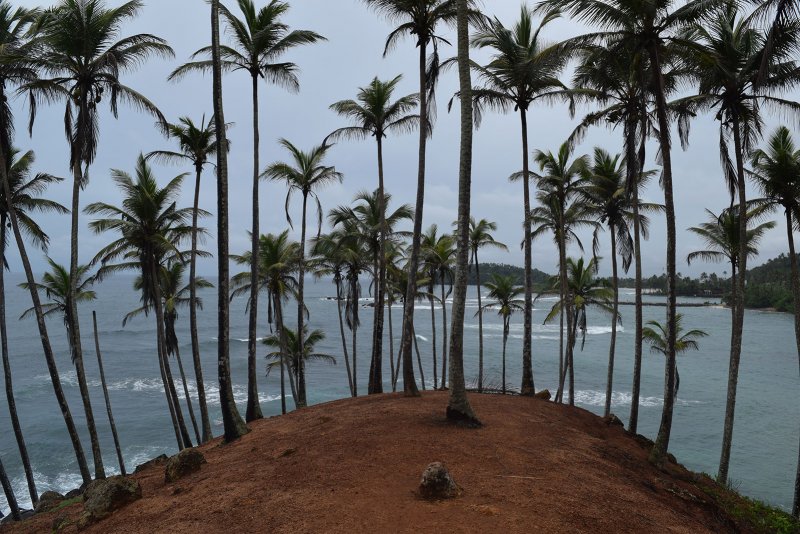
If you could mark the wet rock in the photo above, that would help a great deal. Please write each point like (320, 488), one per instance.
(158, 460)
(184, 463)
(48, 500)
(105, 496)
(613, 420)
(437, 483)
(544, 395)
(77, 492)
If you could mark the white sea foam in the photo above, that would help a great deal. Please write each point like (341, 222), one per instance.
(618, 398)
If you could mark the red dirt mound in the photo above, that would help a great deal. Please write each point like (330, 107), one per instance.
(355, 466)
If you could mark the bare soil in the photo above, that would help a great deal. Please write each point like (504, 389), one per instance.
(355, 465)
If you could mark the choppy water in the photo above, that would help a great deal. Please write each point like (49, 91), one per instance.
(765, 438)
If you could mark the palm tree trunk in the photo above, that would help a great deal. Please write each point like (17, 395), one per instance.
(633, 188)
(480, 323)
(662, 439)
(419, 362)
(796, 304)
(253, 411)
(9, 491)
(341, 331)
(566, 309)
(527, 359)
(409, 383)
(42, 326)
(278, 306)
(234, 426)
(106, 397)
(397, 365)
(354, 329)
(198, 368)
(444, 336)
(187, 439)
(299, 364)
(738, 296)
(12, 404)
(186, 394)
(505, 340)
(171, 405)
(613, 344)
(376, 371)
(74, 325)
(433, 340)
(391, 345)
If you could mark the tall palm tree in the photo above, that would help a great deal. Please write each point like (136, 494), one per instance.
(375, 114)
(305, 175)
(82, 58)
(287, 353)
(726, 56)
(480, 236)
(524, 69)
(655, 334)
(277, 264)
(438, 252)
(420, 20)
(605, 193)
(197, 144)
(8, 489)
(504, 293)
(107, 399)
(776, 172)
(150, 228)
(260, 40)
(25, 199)
(585, 290)
(558, 182)
(649, 28)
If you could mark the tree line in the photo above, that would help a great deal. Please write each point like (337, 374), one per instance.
(645, 70)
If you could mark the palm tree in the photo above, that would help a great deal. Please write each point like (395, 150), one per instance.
(504, 294)
(8, 489)
(150, 228)
(584, 290)
(25, 198)
(605, 193)
(260, 40)
(198, 143)
(288, 353)
(480, 236)
(375, 114)
(106, 397)
(306, 174)
(277, 264)
(776, 172)
(437, 254)
(84, 58)
(524, 69)
(418, 19)
(655, 334)
(726, 57)
(560, 180)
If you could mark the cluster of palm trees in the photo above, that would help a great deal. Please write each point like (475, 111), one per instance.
(635, 69)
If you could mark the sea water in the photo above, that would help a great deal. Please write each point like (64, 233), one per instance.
(765, 440)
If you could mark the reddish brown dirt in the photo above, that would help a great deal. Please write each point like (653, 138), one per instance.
(355, 465)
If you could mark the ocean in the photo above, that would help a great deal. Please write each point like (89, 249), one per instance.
(766, 433)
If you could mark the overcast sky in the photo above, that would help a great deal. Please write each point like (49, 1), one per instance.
(333, 71)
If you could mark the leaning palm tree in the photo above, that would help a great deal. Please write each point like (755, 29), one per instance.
(197, 144)
(277, 264)
(480, 236)
(648, 28)
(25, 199)
(82, 59)
(306, 174)
(585, 290)
(375, 114)
(726, 56)
(420, 20)
(149, 229)
(260, 40)
(438, 252)
(504, 293)
(524, 70)
(655, 334)
(776, 172)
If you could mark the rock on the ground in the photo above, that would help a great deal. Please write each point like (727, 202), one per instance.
(48, 501)
(105, 496)
(184, 463)
(613, 420)
(544, 395)
(158, 460)
(437, 483)
(71, 494)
